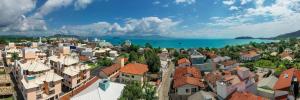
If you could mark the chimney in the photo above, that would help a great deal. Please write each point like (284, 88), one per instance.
(122, 62)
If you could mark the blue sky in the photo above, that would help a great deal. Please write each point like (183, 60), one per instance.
(171, 18)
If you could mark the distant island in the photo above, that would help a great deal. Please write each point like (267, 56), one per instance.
(244, 37)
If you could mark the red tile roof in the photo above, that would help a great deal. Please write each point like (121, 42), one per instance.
(111, 69)
(228, 62)
(183, 60)
(213, 77)
(187, 75)
(285, 78)
(187, 80)
(182, 71)
(134, 68)
(245, 96)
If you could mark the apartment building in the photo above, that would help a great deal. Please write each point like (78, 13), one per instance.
(69, 67)
(36, 80)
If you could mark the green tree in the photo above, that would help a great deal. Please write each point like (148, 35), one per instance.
(133, 56)
(132, 91)
(152, 61)
(14, 56)
(104, 62)
(149, 92)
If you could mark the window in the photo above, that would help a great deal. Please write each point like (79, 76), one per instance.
(78, 81)
(51, 92)
(132, 76)
(194, 89)
(187, 90)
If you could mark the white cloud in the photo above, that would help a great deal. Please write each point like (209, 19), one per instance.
(12, 13)
(233, 8)
(282, 16)
(229, 2)
(185, 1)
(82, 4)
(156, 2)
(50, 6)
(13, 10)
(243, 2)
(147, 25)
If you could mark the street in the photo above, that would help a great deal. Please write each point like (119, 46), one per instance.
(166, 82)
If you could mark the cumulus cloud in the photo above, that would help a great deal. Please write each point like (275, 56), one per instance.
(11, 12)
(228, 2)
(147, 25)
(233, 8)
(82, 4)
(50, 6)
(243, 2)
(185, 1)
(278, 18)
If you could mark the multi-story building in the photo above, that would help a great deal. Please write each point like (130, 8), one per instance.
(9, 52)
(187, 80)
(36, 80)
(242, 81)
(197, 58)
(69, 67)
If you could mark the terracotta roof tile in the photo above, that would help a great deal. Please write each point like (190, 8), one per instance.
(245, 96)
(228, 62)
(187, 80)
(111, 69)
(285, 78)
(183, 60)
(182, 71)
(187, 75)
(134, 68)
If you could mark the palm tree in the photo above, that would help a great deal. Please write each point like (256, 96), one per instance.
(15, 56)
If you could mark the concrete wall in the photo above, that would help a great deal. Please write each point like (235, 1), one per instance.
(129, 77)
(182, 90)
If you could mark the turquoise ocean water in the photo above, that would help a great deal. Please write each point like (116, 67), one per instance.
(188, 43)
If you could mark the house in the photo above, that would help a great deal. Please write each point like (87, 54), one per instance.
(211, 78)
(265, 87)
(207, 67)
(288, 81)
(219, 59)
(133, 72)
(187, 80)
(69, 67)
(113, 53)
(87, 52)
(102, 89)
(249, 55)
(110, 71)
(243, 80)
(197, 58)
(36, 80)
(228, 65)
(286, 56)
(33, 53)
(202, 95)
(183, 62)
